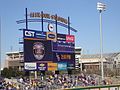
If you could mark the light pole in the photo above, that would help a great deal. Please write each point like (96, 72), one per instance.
(101, 7)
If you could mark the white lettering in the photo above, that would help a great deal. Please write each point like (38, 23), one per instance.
(29, 33)
(70, 38)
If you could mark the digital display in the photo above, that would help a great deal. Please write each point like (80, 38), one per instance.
(36, 50)
(64, 57)
(62, 46)
(68, 58)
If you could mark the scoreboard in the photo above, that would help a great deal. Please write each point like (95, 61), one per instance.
(49, 47)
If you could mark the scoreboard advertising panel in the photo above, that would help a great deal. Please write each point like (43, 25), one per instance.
(50, 51)
(34, 34)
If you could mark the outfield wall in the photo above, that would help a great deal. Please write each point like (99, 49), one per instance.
(105, 87)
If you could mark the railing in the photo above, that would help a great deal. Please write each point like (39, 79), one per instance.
(104, 87)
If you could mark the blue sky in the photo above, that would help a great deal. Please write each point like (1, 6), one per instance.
(83, 16)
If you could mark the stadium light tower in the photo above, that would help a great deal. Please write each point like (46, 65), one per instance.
(101, 7)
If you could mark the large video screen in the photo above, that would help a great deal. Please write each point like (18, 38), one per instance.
(37, 50)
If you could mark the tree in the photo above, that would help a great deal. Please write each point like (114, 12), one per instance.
(11, 72)
(5, 73)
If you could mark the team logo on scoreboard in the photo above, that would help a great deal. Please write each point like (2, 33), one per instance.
(38, 50)
(50, 27)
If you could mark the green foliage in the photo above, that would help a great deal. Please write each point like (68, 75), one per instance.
(11, 72)
(5, 73)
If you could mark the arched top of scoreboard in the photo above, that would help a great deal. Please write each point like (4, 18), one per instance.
(45, 17)
(46, 20)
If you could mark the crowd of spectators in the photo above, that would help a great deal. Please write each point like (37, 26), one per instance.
(54, 81)
(69, 81)
(57, 81)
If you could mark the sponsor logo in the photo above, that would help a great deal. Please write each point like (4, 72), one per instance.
(34, 34)
(71, 66)
(52, 66)
(41, 35)
(29, 33)
(61, 37)
(70, 38)
(62, 66)
(42, 65)
(51, 36)
(30, 66)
